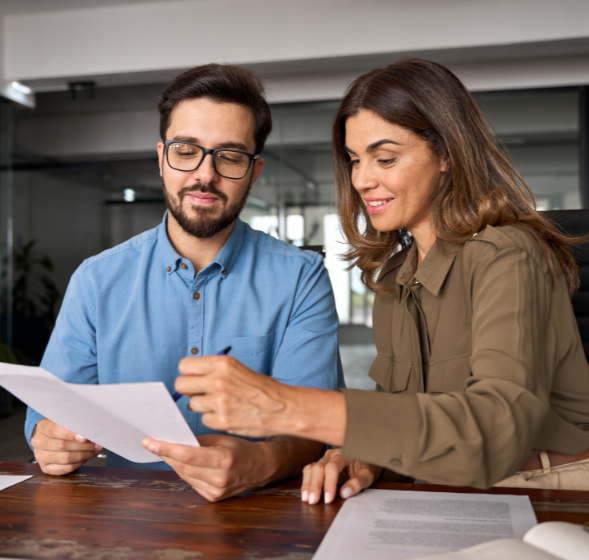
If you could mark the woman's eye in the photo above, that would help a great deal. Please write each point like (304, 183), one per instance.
(387, 161)
(354, 163)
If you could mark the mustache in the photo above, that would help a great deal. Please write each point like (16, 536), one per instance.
(205, 188)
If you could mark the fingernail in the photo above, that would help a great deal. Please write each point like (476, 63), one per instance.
(80, 439)
(346, 492)
(97, 447)
(312, 498)
(327, 498)
(305, 496)
(153, 448)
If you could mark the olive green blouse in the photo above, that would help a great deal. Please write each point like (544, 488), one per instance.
(480, 364)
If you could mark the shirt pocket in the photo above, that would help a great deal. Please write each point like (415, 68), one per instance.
(449, 374)
(255, 352)
(391, 375)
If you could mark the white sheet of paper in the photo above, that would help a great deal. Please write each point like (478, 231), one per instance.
(116, 416)
(397, 525)
(8, 480)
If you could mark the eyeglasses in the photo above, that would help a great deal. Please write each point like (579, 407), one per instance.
(231, 164)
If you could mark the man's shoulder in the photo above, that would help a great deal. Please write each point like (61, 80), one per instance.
(129, 250)
(265, 244)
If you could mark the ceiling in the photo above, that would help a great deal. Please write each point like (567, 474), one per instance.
(13, 7)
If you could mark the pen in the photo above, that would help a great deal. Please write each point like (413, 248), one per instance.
(224, 352)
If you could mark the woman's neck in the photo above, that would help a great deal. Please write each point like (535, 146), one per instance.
(424, 238)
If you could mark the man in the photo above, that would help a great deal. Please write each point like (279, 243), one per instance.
(198, 283)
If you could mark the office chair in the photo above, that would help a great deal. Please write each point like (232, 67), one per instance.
(576, 222)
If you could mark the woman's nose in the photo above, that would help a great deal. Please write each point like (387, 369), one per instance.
(363, 177)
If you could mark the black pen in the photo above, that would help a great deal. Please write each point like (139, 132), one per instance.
(177, 395)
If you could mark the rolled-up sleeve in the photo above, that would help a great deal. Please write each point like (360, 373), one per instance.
(483, 434)
(308, 355)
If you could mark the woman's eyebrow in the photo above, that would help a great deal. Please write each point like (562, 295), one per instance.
(375, 145)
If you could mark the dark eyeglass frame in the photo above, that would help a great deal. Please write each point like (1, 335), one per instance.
(213, 152)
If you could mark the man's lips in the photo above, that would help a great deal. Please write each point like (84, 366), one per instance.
(377, 205)
(203, 199)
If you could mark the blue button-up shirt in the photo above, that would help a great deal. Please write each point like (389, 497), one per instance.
(132, 312)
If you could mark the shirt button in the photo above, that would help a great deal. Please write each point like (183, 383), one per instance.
(224, 272)
(196, 295)
(194, 350)
(168, 268)
(183, 266)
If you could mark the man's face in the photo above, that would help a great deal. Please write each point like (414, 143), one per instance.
(201, 201)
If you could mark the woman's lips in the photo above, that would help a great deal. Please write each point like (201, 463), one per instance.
(377, 209)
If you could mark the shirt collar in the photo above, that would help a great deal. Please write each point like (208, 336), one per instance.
(227, 255)
(224, 259)
(434, 268)
(171, 258)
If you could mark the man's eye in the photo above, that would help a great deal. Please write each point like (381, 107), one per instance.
(228, 159)
(231, 158)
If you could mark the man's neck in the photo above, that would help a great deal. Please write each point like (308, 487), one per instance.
(200, 252)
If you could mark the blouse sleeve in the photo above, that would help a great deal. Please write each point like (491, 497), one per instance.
(481, 435)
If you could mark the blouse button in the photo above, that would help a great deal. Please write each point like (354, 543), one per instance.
(194, 350)
(183, 266)
(196, 295)
(168, 268)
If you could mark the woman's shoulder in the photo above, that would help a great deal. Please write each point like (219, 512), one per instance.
(505, 241)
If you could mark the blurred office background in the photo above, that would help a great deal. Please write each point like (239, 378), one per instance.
(79, 82)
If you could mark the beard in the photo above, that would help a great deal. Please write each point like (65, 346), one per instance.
(202, 223)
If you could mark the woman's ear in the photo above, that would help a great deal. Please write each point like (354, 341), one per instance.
(445, 165)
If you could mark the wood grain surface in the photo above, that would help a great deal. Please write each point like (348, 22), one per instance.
(123, 514)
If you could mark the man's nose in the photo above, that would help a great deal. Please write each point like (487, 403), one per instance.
(206, 170)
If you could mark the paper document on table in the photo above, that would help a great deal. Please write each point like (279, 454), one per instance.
(397, 525)
(8, 480)
(117, 416)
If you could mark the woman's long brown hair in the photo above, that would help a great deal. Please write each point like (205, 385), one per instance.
(482, 188)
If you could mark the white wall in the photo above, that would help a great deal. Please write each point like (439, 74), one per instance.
(305, 49)
(178, 34)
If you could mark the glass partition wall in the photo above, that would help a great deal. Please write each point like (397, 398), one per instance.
(76, 205)
(539, 130)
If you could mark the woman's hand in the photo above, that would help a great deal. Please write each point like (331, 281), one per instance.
(332, 469)
(237, 400)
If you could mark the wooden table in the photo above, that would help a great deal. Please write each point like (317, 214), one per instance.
(121, 514)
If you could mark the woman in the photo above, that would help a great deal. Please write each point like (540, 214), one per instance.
(480, 370)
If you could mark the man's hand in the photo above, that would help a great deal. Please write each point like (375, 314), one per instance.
(332, 469)
(59, 451)
(222, 467)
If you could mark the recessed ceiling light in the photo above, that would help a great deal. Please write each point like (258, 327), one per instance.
(21, 88)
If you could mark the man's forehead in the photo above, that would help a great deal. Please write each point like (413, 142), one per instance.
(203, 119)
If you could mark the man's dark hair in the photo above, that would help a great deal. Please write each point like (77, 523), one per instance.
(223, 83)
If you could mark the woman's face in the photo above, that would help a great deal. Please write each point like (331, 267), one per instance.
(394, 171)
